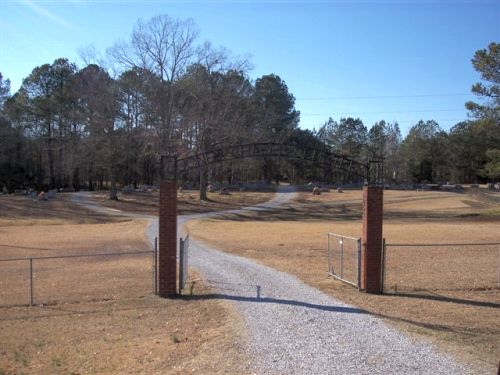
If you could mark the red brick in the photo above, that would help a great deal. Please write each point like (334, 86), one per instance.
(167, 247)
(371, 258)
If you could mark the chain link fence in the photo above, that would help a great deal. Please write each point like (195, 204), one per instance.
(344, 258)
(77, 278)
(440, 267)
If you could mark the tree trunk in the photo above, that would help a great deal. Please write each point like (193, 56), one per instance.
(60, 169)
(113, 193)
(50, 155)
(90, 176)
(39, 168)
(203, 182)
(76, 179)
(162, 169)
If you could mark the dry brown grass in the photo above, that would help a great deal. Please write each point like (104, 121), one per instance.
(412, 204)
(187, 201)
(55, 280)
(294, 240)
(22, 210)
(146, 335)
(63, 239)
(132, 332)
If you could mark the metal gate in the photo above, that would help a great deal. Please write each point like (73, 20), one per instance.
(344, 258)
(183, 262)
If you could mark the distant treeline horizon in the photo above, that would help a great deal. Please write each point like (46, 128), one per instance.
(163, 93)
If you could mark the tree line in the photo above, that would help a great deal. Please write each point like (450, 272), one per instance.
(106, 124)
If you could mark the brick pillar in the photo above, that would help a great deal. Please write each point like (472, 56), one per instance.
(371, 258)
(167, 254)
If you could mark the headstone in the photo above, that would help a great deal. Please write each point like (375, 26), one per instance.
(128, 189)
(455, 187)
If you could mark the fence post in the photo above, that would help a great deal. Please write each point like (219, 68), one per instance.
(31, 281)
(382, 267)
(341, 257)
(155, 268)
(359, 264)
(181, 263)
(329, 254)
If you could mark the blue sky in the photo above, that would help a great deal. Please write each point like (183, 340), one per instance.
(393, 60)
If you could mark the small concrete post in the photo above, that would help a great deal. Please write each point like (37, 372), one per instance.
(167, 255)
(371, 259)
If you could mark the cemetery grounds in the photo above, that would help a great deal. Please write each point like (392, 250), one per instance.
(463, 320)
(182, 336)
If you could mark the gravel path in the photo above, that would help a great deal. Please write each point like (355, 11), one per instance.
(296, 329)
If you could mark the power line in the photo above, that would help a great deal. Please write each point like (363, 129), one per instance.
(379, 112)
(382, 96)
(391, 121)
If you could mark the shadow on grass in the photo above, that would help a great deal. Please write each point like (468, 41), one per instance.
(325, 211)
(70, 308)
(294, 213)
(328, 308)
(65, 310)
(441, 298)
(463, 330)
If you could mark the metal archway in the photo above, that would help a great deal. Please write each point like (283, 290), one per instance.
(370, 172)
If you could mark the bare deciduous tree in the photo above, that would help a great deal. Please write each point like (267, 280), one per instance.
(165, 47)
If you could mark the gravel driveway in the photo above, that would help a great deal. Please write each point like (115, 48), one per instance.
(296, 329)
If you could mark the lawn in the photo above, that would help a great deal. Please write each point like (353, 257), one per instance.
(187, 201)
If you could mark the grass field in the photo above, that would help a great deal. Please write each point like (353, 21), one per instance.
(122, 328)
(293, 239)
(117, 326)
(187, 201)
(146, 335)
